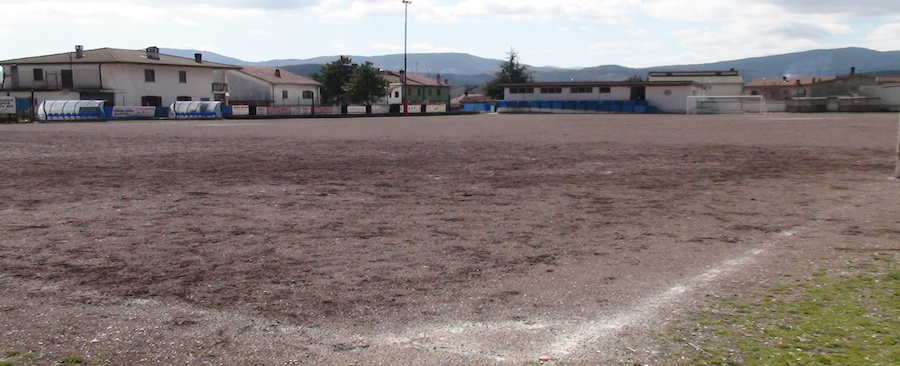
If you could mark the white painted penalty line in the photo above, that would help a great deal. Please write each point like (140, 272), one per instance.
(650, 307)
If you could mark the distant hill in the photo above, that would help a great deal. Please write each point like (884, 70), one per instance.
(465, 69)
(207, 56)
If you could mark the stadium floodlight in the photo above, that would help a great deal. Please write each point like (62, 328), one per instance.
(403, 90)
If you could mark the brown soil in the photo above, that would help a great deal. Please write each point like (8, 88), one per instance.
(492, 239)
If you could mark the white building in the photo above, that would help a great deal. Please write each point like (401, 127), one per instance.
(420, 89)
(664, 96)
(120, 77)
(271, 86)
(886, 88)
(716, 83)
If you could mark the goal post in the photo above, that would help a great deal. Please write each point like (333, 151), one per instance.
(726, 104)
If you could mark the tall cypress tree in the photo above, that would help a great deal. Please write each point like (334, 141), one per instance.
(511, 72)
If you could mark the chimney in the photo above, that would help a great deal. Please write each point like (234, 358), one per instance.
(277, 72)
(852, 71)
(198, 58)
(153, 53)
(79, 51)
(438, 78)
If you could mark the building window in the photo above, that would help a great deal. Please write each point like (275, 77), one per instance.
(307, 94)
(149, 75)
(429, 92)
(396, 94)
(551, 90)
(521, 90)
(604, 90)
(182, 76)
(68, 81)
(419, 91)
(38, 74)
(151, 101)
(284, 94)
(183, 99)
(754, 92)
(439, 92)
(582, 90)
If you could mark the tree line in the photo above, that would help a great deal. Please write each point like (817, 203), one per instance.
(346, 82)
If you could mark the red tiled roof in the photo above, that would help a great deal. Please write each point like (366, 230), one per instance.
(269, 74)
(888, 79)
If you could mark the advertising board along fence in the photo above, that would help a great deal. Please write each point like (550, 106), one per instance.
(133, 112)
(7, 105)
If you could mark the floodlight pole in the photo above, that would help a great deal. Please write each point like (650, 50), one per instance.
(403, 90)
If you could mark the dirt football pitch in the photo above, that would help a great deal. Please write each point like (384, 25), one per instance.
(443, 240)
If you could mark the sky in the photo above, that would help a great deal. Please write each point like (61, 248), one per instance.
(562, 33)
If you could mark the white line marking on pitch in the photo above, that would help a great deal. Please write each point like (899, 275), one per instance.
(647, 308)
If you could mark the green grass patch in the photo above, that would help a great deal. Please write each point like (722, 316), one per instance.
(12, 353)
(16, 357)
(72, 360)
(831, 320)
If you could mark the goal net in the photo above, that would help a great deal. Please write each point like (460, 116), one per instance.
(726, 104)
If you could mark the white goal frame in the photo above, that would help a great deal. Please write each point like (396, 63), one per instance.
(694, 102)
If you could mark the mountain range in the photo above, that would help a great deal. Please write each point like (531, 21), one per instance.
(466, 69)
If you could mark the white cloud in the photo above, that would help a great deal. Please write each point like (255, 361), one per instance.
(264, 5)
(694, 11)
(220, 13)
(87, 13)
(885, 37)
(638, 32)
(886, 32)
(337, 12)
(496, 11)
(849, 8)
(185, 22)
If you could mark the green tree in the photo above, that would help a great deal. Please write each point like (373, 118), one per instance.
(334, 77)
(511, 72)
(367, 85)
(635, 78)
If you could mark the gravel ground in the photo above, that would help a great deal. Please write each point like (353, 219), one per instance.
(478, 240)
